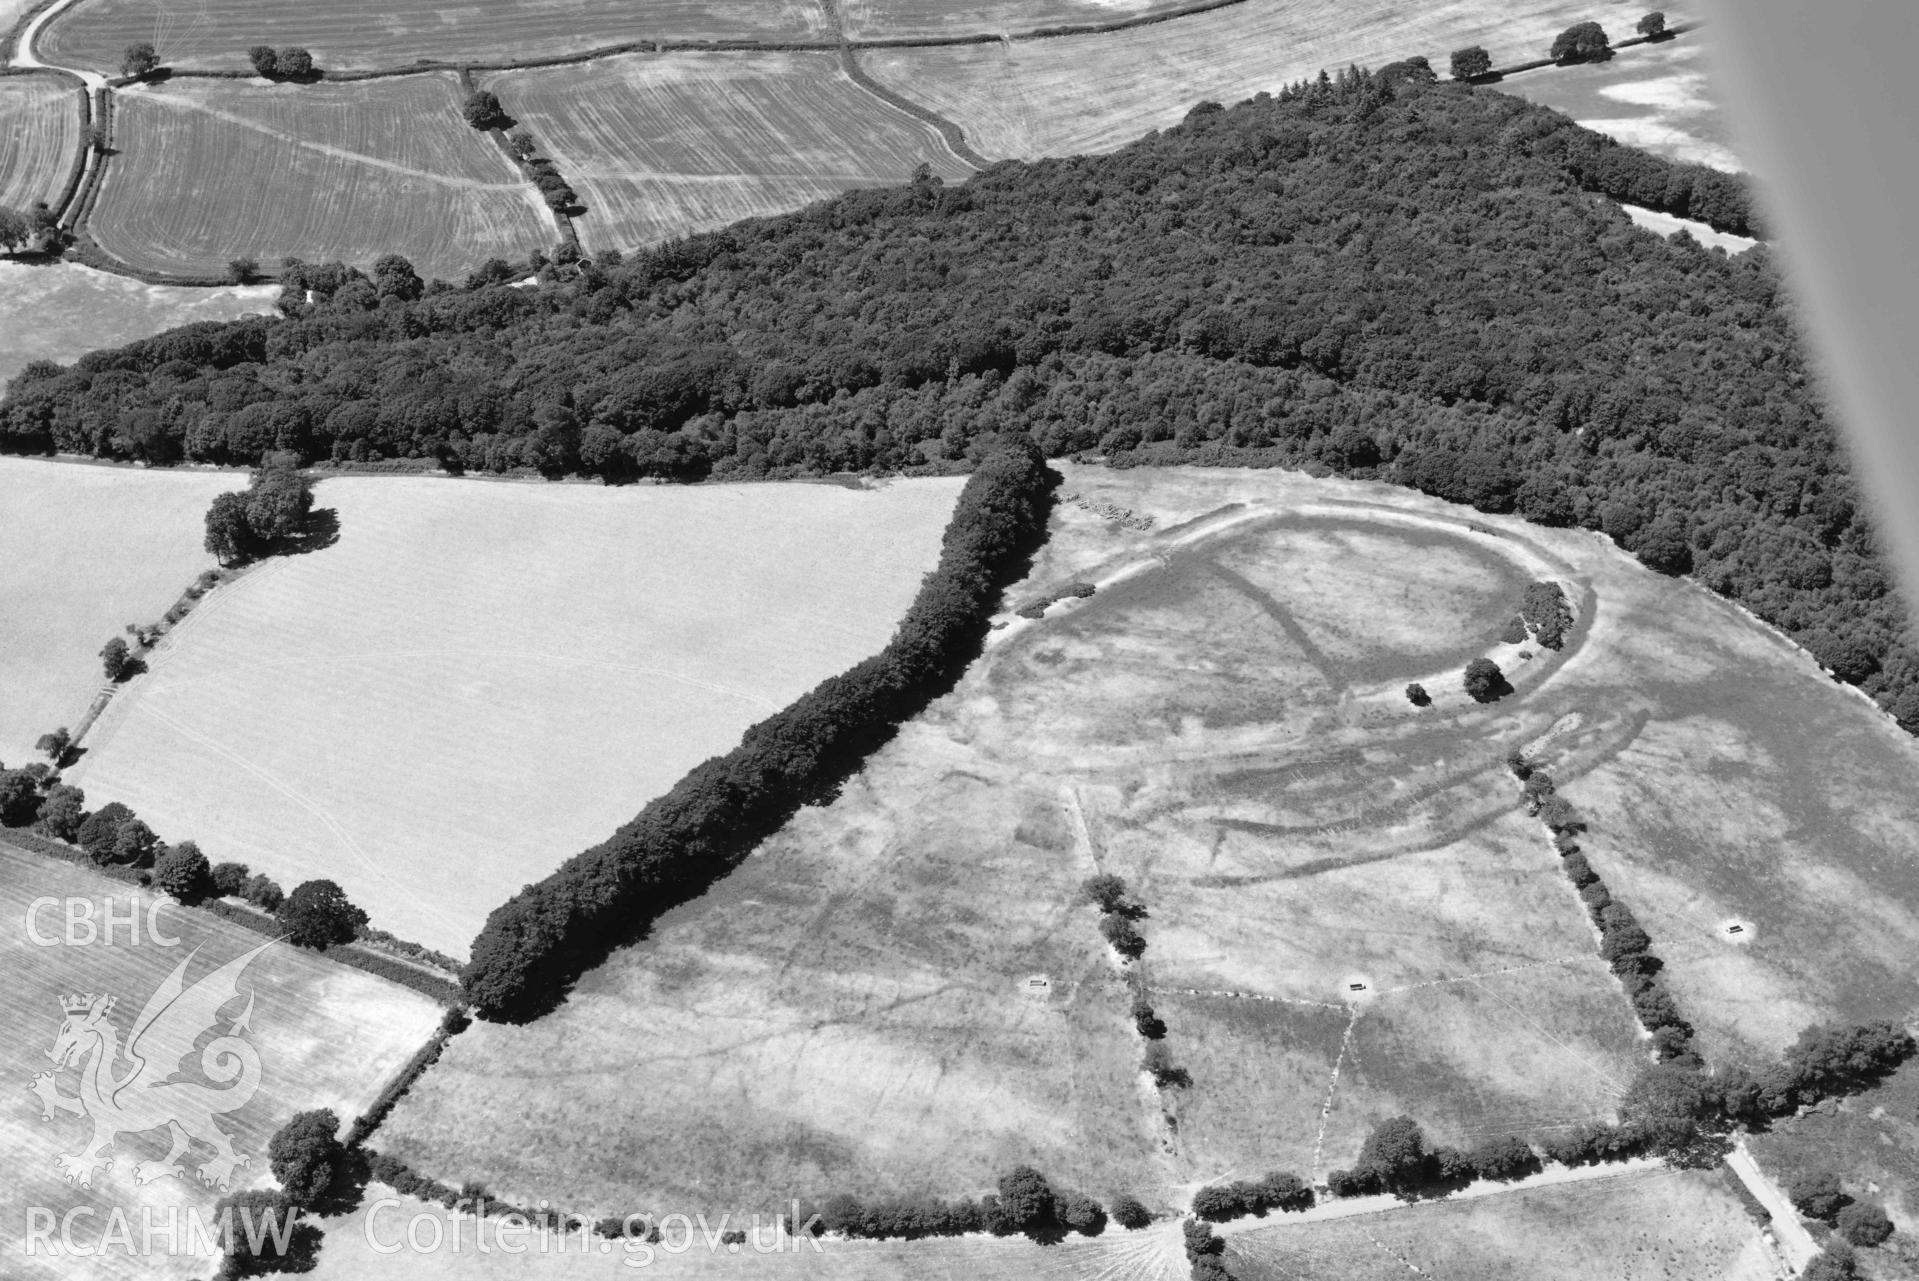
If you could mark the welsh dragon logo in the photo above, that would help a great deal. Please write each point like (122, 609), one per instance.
(142, 1086)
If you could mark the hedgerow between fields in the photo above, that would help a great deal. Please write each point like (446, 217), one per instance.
(536, 943)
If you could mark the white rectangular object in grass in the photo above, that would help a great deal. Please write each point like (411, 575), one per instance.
(481, 679)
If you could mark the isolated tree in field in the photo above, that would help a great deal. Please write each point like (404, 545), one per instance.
(54, 744)
(307, 1155)
(1581, 42)
(62, 811)
(265, 61)
(482, 110)
(243, 271)
(1130, 1213)
(1652, 26)
(1106, 892)
(114, 657)
(1470, 63)
(295, 63)
(1485, 683)
(1864, 1223)
(183, 871)
(318, 915)
(139, 60)
(1416, 695)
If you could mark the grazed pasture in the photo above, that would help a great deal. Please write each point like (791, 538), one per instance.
(481, 679)
(320, 172)
(326, 1035)
(662, 146)
(40, 121)
(361, 34)
(1225, 717)
(1065, 96)
(88, 549)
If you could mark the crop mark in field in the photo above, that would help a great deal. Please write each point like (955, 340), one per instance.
(1332, 1089)
(1217, 994)
(177, 103)
(327, 820)
(1612, 1083)
(1333, 673)
(1486, 974)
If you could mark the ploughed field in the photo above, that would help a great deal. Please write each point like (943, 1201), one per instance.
(350, 35)
(1223, 723)
(88, 549)
(325, 1036)
(480, 679)
(660, 146)
(1074, 94)
(209, 171)
(40, 122)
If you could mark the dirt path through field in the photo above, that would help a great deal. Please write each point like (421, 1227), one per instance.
(1794, 1241)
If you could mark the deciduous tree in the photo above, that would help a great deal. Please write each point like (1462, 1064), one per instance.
(139, 59)
(1471, 63)
(318, 915)
(1581, 42)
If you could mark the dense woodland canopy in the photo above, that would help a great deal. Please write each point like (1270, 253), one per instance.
(1374, 275)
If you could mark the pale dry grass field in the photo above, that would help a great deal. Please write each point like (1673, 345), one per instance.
(900, 19)
(1075, 94)
(320, 172)
(87, 550)
(1663, 1225)
(57, 311)
(666, 145)
(40, 122)
(326, 1035)
(824, 1019)
(842, 1014)
(481, 679)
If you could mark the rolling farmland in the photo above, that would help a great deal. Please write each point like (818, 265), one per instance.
(39, 136)
(364, 34)
(214, 170)
(1056, 97)
(326, 1036)
(1224, 724)
(661, 146)
(78, 518)
(491, 677)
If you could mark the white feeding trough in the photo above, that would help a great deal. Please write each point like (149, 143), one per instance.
(1038, 986)
(1736, 931)
(1356, 987)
